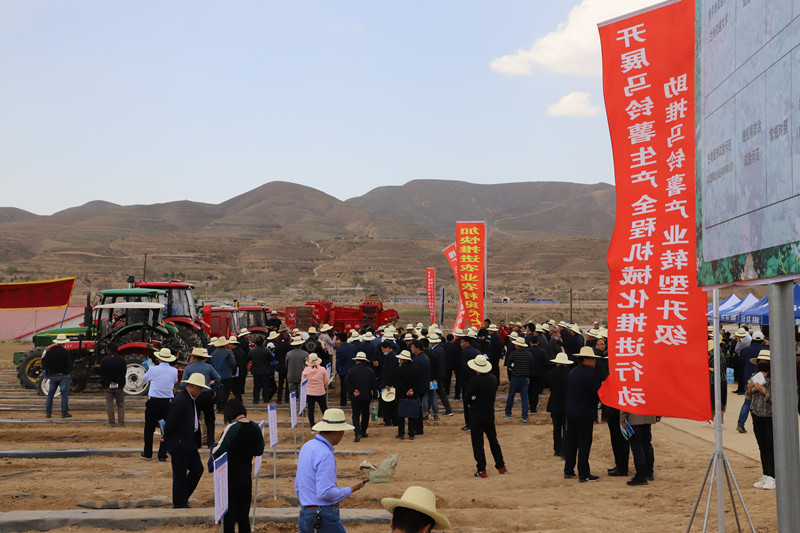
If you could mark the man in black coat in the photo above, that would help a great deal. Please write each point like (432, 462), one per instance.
(468, 353)
(261, 365)
(479, 397)
(557, 380)
(182, 438)
(112, 378)
(538, 363)
(438, 358)
(496, 350)
(582, 400)
(362, 387)
(452, 350)
(406, 381)
(423, 363)
(57, 364)
(284, 346)
(387, 410)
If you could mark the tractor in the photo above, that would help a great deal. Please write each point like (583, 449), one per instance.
(254, 318)
(29, 363)
(222, 320)
(180, 310)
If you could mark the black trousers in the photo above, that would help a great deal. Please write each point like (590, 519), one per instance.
(535, 388)
(154, 410)
(483, 424)
(762, 428)
(238, 511)
(361, 415)
(227, 387)
(322, 401)
(261, 388)
(619, 446)
(579, 444)
(342, 391)
(238, 387)
(205, 405)
(388, 410)
(559, 425)
(642, 450)
(401, 426)
(187, 469)
(448, 379)
(283, 393)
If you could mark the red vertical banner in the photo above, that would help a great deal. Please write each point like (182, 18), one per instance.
(657, 344)
(471, 254)
(452, 258)
(430, 284)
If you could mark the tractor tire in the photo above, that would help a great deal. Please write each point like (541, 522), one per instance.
(29, 368)
(43, 385)
(189, 336)
(134, 386)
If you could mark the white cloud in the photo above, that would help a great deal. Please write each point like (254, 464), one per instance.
(575, 104)
(573, 48)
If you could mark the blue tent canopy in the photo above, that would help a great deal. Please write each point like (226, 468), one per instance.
(724, 305)
(759, 314)
(731, 315)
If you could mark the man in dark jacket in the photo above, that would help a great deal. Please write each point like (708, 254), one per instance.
(387, 410)
(362, 387)
(112, 378)
(57, 364)
(538, 363)
(468, 353)
(582, 400)
(406, 381)
(438, 358)
(284, 346)
(423, 363)
(452, 350)
(479, 396)
(345, 357)
(496, 350)
(519, 361)
(557, 380)
(182, 438)
(260, 367)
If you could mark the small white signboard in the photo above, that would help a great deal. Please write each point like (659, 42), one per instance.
(220, 487)
(272, 415)
(257, 461)
(293, 408)
(303, 394)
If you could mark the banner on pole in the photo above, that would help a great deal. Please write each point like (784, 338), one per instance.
(220, 487)
(257, 460)
(303, 394)
(293, 408)
(471, 256)
(48, 294)
(452, 258)
(431, 286)
(657, 343)
(272, 416)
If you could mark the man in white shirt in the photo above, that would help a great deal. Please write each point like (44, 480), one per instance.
(162, 378)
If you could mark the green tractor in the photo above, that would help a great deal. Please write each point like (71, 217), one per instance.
(119, 319)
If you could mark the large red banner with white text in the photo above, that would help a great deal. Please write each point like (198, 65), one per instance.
(36, 294)
(657, 344)
(430, 284)
(452, 258)
(471, 254)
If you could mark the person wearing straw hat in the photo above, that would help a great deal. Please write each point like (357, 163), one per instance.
(224, 362)
(759, 392)
(242, 440)
(284, 345)
(56, 365)
(387, 409)
(581, 411)
(260, 367)
(198, 358)
(362, 386)
(162, 378)
(182, 439)
(345, 355)
(495, 349)
(113, 368)
(315, 481)
(519, 361)
(468, 353)
(747, 356)
(415, 512)
(437, 356)
(557, 403)
(479, 398)
(406, 378)
(295, 364)
(317, 391)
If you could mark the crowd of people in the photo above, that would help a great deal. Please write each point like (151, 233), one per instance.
(397, 377)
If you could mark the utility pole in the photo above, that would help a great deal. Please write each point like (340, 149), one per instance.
(570, 305)
(144, 270)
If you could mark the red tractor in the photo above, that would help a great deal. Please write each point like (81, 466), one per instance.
(222, 320)
(370, 314)
(254, 318)
(180, 310)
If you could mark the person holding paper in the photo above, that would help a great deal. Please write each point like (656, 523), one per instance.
(317, 385)
(759, 392)
(641, 445)
(581, 410)
(242, 440)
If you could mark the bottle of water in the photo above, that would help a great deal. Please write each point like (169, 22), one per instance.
(729, 375)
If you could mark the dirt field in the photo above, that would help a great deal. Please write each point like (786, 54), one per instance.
(534, 496)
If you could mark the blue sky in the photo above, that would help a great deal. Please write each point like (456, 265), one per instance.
(154, 101)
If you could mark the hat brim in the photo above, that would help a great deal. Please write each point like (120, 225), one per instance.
(327, 426)
(169, 359)
(390, 504)
(567, 362)
(482, 369)
(755, 360)
(186, 381)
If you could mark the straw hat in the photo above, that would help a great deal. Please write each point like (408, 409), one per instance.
(419, 325)
(61, 339)
(513, 335)
(212, 340)
(458, 332)
(480, 364)
(222, 341)
(419, 499)
(243, 332)
(368, 336)
(388, 394)
(561, 359)
(388, 337)
(587, 351)
(199, 352)
(312, 330)
(196, 379)
(434, 326)
(409, 326)
(472, 333)
(433, 338)
(325, 327)
(297, 341)
(551, 322)
(563, 324)
(604, 333)
(332, 420)
(763, 355)
(233, 340)
(354, 338)
(539, 328)
(710, 345)
(741, 332)
(360, 356)
(272, 335)
(313, 360)
(164, 354)
(575, 328)
(408, 337)
(519, 341)
(405, 355)
(491, 327)
(710, 329)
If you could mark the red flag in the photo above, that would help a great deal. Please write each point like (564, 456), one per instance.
(36, 294)
(431, 286)
(657, 344)
(471, 253)
(452, 258)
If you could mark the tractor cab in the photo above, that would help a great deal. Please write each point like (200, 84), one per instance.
(180, 309)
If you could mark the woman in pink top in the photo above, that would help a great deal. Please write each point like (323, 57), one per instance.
(317, 389)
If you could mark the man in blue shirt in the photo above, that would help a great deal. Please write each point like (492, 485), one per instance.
(315, 483)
